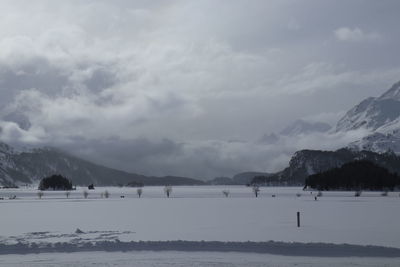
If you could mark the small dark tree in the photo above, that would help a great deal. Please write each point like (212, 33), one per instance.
(55, 182)
(168, 190)
(139, 192)
(225, 193)
(256, 189)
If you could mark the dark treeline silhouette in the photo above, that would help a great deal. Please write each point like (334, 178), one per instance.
(271, 180)
(135, 184)
(55, 182)
(307, 162)
(355, 175)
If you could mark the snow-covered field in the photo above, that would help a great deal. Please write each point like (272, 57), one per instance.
(196, 214)
(183, 259)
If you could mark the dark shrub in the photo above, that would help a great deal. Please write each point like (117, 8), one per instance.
(55, 182)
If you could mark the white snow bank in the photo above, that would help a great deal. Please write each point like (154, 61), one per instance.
(178, 258)
(270, 247)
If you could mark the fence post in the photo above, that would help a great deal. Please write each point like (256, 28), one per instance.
(298, 219)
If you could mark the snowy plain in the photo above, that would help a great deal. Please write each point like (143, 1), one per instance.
(183, 259)
(196, 213)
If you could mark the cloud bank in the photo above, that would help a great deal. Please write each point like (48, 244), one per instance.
(187, 87)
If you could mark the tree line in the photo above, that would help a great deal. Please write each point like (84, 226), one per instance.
(355, 175)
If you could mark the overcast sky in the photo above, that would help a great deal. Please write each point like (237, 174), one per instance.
(189, 87)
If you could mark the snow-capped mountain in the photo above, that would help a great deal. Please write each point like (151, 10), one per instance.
(373, 112)
(297, 128)
(380, 116)
(305, 127)
(381, 140)
(28, 167)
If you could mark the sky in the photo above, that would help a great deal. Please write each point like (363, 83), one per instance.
(189, 88)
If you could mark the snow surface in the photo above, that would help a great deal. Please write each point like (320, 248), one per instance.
(197, 259)
(199, 215)
(202, 213)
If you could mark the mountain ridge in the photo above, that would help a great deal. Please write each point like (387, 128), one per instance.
(28, 167)
(308, 162)
(380, 117)
(373, 113)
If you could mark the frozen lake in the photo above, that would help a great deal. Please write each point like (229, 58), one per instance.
(201, 213)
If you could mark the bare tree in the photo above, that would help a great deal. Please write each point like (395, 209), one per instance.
(256, 189)
(67, 193)
(40, 194)
(139, 192)
(106, 194)
(85, 194)
(226, 193)
(168, 190)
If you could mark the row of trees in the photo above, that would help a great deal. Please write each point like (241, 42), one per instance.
(357, 176)
(255, 188)
(106, 194)
(58, 182)
(139, 192)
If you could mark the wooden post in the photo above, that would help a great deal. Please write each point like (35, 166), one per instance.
(298, 219)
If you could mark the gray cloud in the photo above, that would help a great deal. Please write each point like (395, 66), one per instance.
(355, 35)
(160, 87)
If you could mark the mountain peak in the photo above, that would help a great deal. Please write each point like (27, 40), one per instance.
(393, 92)
(305, 127)
(373, 113)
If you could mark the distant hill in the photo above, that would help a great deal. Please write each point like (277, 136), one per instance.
(309, 162)
(30, 166)
(246, 177)
(243, 178)
(221, 181)
(355, 175)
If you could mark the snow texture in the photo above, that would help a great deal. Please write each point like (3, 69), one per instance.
(271, 247)
(196, 259)
(199, 213)
(380, 117)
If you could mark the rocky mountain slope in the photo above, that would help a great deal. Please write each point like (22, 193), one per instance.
(373, 112)
(298, 128)
(308, 162)
(380, 118)
(30, 166)
(305, 127)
